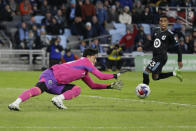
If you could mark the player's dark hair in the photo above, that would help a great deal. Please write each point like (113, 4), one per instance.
(90, 52)
(163, 16)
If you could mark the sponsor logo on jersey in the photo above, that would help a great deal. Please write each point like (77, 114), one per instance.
(157, 43)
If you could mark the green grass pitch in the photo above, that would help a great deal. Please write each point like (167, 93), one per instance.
(171, 106)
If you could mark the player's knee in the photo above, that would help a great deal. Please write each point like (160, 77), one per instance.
(155, 77)
(35, 91)
(76, 91)
(41, 86)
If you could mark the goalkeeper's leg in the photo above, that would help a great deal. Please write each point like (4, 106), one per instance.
(69, 92)
(35, 91)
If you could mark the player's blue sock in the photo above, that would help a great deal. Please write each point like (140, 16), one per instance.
(146, 78)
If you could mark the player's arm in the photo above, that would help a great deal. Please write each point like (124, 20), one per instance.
(102, 76)
(93, 85)
(178, 49)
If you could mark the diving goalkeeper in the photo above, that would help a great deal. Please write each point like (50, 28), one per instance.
(56, 79)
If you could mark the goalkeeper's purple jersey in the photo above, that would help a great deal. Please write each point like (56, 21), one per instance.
(75, 70)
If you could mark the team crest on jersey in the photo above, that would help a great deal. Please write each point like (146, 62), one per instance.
(157, 43)
(50, 82)
(163, 37)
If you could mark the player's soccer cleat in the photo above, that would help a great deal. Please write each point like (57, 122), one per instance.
(178, 74)
(117, 85)
(58, 103)
(14, 107)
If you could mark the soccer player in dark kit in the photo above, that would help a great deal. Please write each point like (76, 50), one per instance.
(162, 39)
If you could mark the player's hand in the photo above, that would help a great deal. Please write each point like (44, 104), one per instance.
(118, 85)
(180, 65)
(117, 75)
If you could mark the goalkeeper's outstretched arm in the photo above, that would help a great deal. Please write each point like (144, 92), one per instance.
(93, 85)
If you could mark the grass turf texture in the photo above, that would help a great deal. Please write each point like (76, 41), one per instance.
(109, 110)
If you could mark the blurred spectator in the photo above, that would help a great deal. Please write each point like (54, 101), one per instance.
(88, 11)
(47, 19)
(77, 28)
(45, 7)
(79, 5)
(35, 9)
(177, 26)
(54, 28)
(156, 15)
(83, 46)
(97, 28)
(138, 7)
(71, 12)
(61, 19)
(13, 5)
(128, 3)
(183, 45)
(23, 32)
(30, 41)
(32, 22)
(136, 18)
(6, 14)
(128, 40)
(189, 43)
(119, 8)
(25, 7)
(141, 36)
(113, 15)
(100, 61)
(69, 56)
(43, 38)
(114, 57)
(88, 31)
(35, 30)
(147, 16)
(95, 45)
(125, 17)
(55, 51)
(101, 13)
(140, 45)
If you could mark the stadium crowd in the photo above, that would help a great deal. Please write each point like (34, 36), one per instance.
(28, 23)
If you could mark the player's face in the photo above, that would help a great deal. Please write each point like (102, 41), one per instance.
(93, 59)
(163, 23)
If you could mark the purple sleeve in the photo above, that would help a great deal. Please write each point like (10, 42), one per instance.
(93, 85)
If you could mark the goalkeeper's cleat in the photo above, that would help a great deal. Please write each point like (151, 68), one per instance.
(178, 74)
(117, 85)
(58, 103)
(14, 107)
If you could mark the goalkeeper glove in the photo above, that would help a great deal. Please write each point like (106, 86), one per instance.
(118, 85)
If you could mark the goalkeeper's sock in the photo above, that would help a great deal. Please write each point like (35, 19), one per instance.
(146, 78)
(27, 94)
(68, 95)
(165, 75)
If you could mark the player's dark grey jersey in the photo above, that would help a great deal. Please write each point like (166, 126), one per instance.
(161, 41)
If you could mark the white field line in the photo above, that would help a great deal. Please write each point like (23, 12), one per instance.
(95, 127)
(123, 99)
(142, 101)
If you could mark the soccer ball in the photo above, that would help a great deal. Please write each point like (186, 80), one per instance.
(142, 91)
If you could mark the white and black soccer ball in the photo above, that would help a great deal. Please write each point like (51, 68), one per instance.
(142, 91)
